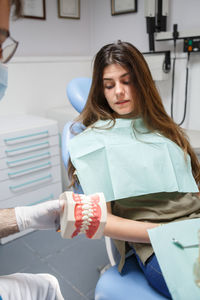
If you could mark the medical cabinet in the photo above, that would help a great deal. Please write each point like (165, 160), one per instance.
(30, 171)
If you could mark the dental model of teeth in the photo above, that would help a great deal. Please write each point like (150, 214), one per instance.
(83, 214)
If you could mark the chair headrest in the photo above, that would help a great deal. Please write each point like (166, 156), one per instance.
(77, 92)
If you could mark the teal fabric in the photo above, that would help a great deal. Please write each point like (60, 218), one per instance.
(176, 263)
(123, 162)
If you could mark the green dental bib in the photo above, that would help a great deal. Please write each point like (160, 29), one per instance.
(126, 161)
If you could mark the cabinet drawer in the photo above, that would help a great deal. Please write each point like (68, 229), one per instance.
(29, 147)
(16, 135)
(28, 158)
(33, 167)
(19, 185)
(46, 193)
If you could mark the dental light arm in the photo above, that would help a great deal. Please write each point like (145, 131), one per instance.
(150, 15)
(156, 12)
(162, 13)
(83, 214)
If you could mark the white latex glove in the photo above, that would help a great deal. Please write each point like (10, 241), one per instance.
(41, 216)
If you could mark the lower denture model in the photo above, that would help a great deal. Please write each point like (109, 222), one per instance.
(83, 214)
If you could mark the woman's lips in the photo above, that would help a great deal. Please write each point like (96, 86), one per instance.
(121, 102)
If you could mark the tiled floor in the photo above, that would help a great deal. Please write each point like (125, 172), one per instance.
(75, 263)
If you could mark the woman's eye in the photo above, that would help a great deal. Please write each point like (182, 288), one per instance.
(127, 82)
(108, 87)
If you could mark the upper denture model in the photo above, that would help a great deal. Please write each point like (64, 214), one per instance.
(83, 214)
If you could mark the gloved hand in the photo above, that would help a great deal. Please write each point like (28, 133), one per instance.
(41, 216)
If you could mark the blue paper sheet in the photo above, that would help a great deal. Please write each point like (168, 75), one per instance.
(176, 263)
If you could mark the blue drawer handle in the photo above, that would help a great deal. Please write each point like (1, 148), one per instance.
(48, 164)
(14, 187)
(25, 136)
(50, 197)
(13, 162)
(27, 147)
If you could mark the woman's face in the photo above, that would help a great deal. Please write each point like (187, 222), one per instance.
(118, 89)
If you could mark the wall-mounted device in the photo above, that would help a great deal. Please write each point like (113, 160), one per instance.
(156, 12)
(159, 63)
(168, 35)
(191, 44)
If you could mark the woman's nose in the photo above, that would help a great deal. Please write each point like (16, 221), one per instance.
(119, 89)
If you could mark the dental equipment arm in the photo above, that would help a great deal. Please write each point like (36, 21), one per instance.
(127, 230)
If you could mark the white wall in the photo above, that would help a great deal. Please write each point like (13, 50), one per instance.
(65, 37)
(127, 27)
(37, 84)
(53, 36)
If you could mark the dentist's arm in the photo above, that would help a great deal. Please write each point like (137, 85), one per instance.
(125, 229)
(8, 223)
(42, 216)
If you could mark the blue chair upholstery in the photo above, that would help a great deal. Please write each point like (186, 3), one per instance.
(132, 284)
(66, 136)
(77, 92)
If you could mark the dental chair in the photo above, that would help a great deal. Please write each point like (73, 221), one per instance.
(131, 284)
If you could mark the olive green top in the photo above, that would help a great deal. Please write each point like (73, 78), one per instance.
(155, 208)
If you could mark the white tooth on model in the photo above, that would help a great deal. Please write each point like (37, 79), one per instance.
(85, 227)
(86, 223)
(87, 212)
(86, 206)
(85, 218)
(85, 202)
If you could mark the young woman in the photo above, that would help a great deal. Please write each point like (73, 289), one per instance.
(133, 152)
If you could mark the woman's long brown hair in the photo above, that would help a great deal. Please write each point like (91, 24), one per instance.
(148, 103)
